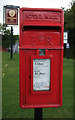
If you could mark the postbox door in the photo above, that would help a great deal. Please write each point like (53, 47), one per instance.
(44, 96)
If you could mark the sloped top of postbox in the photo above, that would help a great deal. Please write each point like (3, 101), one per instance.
(41, 17)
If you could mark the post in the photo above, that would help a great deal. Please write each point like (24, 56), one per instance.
(38, 114)
(67, 46)
(67, 53)
(11, 42)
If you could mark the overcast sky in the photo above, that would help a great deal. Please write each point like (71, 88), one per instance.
(34, 4)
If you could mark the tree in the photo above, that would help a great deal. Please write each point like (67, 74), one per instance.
(6, 37)
(69, 25)
(69, 17)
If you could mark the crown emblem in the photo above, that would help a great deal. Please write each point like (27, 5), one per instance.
(12, 13)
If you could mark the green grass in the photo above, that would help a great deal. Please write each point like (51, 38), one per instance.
(10, 91)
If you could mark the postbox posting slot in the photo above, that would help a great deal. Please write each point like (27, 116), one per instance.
(24, 28)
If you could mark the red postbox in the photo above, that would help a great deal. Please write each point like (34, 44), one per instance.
(41, 57)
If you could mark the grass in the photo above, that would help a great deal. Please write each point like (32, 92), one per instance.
(10, 91)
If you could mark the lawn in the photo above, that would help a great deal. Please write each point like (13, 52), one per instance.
(10, 91)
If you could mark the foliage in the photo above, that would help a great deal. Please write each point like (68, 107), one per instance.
(69, 25)
(69, 17)
(6, 40)
(15, 38)
(6, 36)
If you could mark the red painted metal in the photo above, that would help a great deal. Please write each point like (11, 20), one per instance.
(41, 29)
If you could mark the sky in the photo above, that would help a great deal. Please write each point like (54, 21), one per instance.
(32, 4)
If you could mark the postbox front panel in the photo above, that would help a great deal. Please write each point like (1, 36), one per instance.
(41, 57)
(45, 37)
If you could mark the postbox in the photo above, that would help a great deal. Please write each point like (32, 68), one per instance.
(41, 57)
